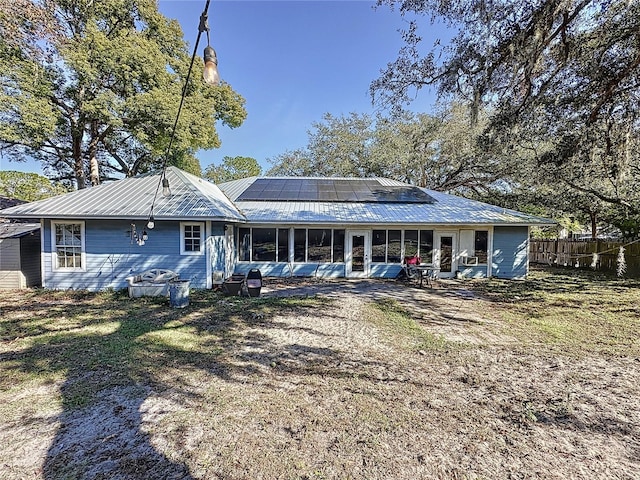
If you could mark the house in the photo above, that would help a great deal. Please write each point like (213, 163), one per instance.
(331, 227)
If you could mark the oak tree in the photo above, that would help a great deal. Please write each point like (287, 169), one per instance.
(92, 89)
(560, 77)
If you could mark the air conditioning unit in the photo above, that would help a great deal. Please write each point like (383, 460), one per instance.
(469, 261)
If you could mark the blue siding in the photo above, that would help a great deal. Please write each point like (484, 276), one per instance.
(473, 271)
(111, 257)
(384, 270)
(510, 252)
(322, 270)
(272, 269)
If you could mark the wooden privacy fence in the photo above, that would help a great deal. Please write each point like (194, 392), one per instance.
(572, 253)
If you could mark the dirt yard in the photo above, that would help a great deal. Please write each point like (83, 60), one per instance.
(324, 380)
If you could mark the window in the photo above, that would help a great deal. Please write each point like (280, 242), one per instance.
(481, 245)
(244, 244)
(299, 245)
(388, 246)
(394, 250)
(338, 246)
(264, 245)
(474, 245)
(68, 245)
(192, 238)
(426, 246)
(410, 243)
(319, 245)
(283, 245)
(379, 246)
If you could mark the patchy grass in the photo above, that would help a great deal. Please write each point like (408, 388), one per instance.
(396, 320)
(103, 386)
(576, 312)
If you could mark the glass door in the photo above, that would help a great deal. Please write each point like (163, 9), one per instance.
(445, 258)
(358, 256)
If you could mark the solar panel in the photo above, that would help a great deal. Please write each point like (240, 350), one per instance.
(331, 190)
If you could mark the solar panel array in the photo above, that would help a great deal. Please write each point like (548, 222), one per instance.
(331, 190)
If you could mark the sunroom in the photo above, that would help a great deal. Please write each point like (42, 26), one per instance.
(364, 228)
(360, 251)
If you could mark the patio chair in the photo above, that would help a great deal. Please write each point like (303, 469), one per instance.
(408, 264)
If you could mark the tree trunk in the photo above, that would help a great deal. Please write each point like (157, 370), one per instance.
(78, 164)
(94, 171)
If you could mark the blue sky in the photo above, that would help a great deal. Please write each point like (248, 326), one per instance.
(292, 61)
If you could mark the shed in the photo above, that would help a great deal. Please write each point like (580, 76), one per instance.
(20, 255)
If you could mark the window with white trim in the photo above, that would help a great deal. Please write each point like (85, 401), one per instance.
(390, 246)
(68, 245)
(191, 238)
(313, 245)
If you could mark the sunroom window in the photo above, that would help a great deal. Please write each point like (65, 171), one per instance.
(389, 246)
(474, 245)
(317, 245)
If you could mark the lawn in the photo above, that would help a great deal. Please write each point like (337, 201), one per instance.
(470, 380)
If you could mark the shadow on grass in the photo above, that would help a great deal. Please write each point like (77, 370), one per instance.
(115, 354)
(94, 345)
(551, 281)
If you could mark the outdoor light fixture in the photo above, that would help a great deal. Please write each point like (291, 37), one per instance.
(137, 238)
(210, 73)
(151, 223)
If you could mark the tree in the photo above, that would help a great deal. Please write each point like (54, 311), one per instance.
(438, 152)
(233, 168)
(28, 186)
(92, 89)
(338, 146)
(293, 163)
(560, 78)
(442, 152)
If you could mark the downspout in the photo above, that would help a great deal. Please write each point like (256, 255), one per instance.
(42, 254)
(209, 254)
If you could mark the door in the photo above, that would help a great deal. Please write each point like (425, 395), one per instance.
(445, 254)
(358, 254)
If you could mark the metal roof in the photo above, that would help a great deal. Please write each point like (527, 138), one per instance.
(17, 230)
(191, 198)
(195, 198)
(445, 210)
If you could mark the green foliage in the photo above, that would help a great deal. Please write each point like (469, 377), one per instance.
(233, 168)
(102, 82)
(559, 78)
(441, 152)
(338, 146)
(28, 186)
